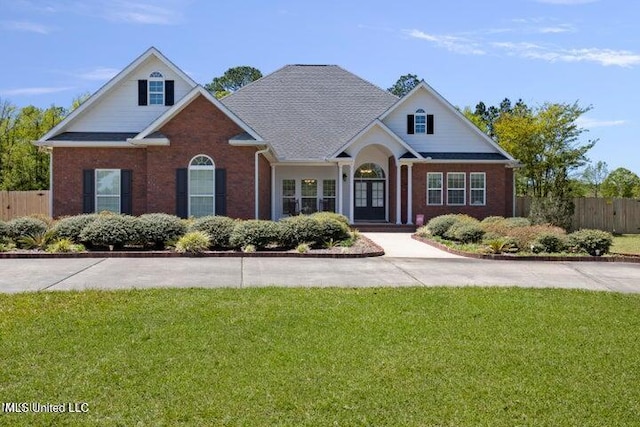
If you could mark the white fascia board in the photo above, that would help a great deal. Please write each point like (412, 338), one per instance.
(85, 144)
(156, 142)
(112, 83)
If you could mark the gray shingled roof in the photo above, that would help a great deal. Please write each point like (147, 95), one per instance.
(458, 156)
(93, 136)
(309, 111)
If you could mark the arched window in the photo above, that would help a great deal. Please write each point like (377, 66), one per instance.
(369, 170)
(156, 88)
(420, 121)
(201, 186)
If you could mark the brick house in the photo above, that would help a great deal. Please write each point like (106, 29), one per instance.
(305, 138)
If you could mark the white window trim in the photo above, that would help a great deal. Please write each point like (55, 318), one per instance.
(419, 113)
(191, 167)
(96, 195)
(464, 189)
(155, 79)
(441, 188)
(484, 188)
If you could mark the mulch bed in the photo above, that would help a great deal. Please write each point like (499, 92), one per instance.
(362, 248)
(509, 257)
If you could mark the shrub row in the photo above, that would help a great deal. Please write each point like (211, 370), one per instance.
(517, 234)
(159, 230)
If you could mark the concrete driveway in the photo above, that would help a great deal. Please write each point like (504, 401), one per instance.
(19, 275)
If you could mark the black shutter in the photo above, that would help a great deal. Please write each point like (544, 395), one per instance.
(430, 124)
(88, 191)
(182, 190)
(410, 126)
(168, 92)
(142, 92)
(221, 191)
(126, 187)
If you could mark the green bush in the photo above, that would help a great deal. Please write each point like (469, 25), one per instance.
(517, 221)
(158, 228)
(524, 237)
(466, 232)
(111, 230)
(556, 211)
(332, 228)
(492, 219)
(25, 226)
(259, 233)
(219, 229)
(299, 229)
(4, 231)
(71, 227)
(439, 225)
(331, 215)
(550, 242)
(193, 242)
(593, 242)
(460, 222)
(64, 246)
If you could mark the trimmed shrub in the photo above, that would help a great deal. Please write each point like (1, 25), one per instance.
(331, 215)
(158, 228)
(219, 229)
(71, 227)
(64, 246)
(302, 248)
(466, 232)
(460, 220)
(517, 221)
(194, 242)
(550, 242)
(111, 230)
(593, 242)
(256, 232)
(524, 237)
(492, 219)
(333, 229)
(4, 231)
(26, 226)
(300, 229)
(439, 225)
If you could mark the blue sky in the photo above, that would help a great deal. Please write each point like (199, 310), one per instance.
(538, 50)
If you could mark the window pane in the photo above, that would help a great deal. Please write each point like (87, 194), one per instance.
(455, 188)
(202, 161)
(108, 203)
(329, 188)
(289, 206)
(309, 205)
(435, 197)
(156, 86)
(288, 188)
(377, 194)
(309, 188)
(361, 194)
(201, 206)
(108, 182)
(455, 180)
(201, 182)
(369, 170)
(329, 205)
(477, 180)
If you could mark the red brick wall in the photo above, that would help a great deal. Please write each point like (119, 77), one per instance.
(199, 129)
(499, 195)
(68, 164)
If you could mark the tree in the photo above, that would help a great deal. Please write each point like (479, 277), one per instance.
(404, 85)
(594, 174)
(621, 183)
(232, 80)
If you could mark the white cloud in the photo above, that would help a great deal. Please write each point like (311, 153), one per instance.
(587, 122)
(451, 43)
(606, 57)
(32, 27)
(99, 73)
(138, 12)
(34, 91)
(563, 28)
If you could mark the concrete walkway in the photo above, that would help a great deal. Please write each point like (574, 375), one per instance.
(401, 245)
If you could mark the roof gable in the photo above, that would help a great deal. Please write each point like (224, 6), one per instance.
(384, 136)
(453, 131)
(307, 112)
(86, 118)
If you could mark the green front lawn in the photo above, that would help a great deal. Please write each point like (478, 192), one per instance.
(626, 244)
(405, 357)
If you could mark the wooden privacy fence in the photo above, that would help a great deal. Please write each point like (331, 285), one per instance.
(614, 215)
(14, 204)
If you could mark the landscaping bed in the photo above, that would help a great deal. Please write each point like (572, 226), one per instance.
(160, 235)
(516, 239)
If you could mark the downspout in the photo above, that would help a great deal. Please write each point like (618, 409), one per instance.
(256, 181)
(50, 151)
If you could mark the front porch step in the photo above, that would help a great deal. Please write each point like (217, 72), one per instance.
(383, 227)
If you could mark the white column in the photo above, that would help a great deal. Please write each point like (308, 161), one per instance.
(273, 192)
(339, 205)
(351, 195)
(398, 195)
(409, 194)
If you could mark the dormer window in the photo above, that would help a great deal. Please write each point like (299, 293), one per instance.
(155, 90)
(420, 123)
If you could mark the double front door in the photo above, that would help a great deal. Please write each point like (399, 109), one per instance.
(369, 200)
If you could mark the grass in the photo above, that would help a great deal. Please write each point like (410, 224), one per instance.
(626, 244)
(310, 357)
